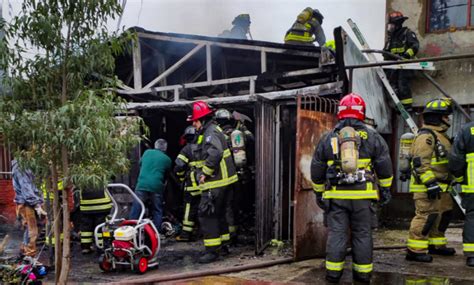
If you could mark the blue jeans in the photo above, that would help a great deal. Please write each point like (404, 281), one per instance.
(155, 206)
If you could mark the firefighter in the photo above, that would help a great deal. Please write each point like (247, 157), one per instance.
(461, 163)
(344, 168)
(95, 205)
(307, 24)
(215, 173)
(240, 29)
(428, 183)
(185, 167)
(403, 42)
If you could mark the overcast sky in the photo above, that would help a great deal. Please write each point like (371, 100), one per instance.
(270, 18)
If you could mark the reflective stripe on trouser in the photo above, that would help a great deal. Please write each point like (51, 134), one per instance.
(229, 206)
(88, 223)
(212, 218)
(190, 211)
(342, 215)
(430, 222)
(468, 232)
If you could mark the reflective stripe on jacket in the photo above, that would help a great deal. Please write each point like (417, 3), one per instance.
(432, 168)
(95, 201)
(214, 159)
(373, 158)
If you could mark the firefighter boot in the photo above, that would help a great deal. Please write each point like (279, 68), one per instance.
(209, 256)
(361, 277)
(418, 257)
(333, 276)
(446, 251)
(470, 261)
(184, 236)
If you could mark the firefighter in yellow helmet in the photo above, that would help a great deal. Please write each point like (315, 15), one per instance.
(429, 182)
(307, 29)
(240, 28)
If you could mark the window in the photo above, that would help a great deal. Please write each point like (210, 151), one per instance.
(447, 14)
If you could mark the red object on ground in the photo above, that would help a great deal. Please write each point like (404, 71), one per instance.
(7, 206)
(152, 235)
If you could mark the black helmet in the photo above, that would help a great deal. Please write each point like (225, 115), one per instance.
(318, 16)
(396, 17)
(438, 106)
(242, 20)
(189, 134)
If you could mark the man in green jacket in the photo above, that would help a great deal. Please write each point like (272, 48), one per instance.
(154, 167)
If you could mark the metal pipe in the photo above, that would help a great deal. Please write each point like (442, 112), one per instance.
(428, 77)
(194, 274)
(386, 63)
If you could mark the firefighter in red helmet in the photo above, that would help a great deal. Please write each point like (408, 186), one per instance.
(215, 173)
(350, 168)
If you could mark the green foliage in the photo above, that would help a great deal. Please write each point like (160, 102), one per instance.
(58, 91)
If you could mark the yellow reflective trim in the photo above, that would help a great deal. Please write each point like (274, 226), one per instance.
(417, 188)
(213, 242)
(186, 213)
(468, 247)
(335, 266)
(86, 234)
(183, 158)
(298, 38)
(188, 223)
(187, 229)
(224, 171)
(410, 52)
(200, 139)
(407, 101)
(219, 183)
(86, 240)
(95, 201)
(225, 237)
(226, 153)
(436, 162)
(350, 194)
(397, 50)
(438, 241)
(363, 268)
(467, 188)
(427, 176)
(472, 130)
(197, 163)
(96, 207)
(418, 244)
(207, 170)
(386, 182)
(459, 179)
(318, 187)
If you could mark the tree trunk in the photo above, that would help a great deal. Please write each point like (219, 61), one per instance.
(49, 210)
(56, 224)
(66, 263)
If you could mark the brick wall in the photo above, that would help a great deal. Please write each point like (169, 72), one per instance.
(7, 207)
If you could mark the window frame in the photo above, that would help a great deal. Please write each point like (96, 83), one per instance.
(468, 26)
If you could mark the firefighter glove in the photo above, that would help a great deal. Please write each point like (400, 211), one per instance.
(40, 212)
(320, 201)
(434, 191)
(385, 196)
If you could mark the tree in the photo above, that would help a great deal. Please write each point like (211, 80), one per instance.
(58, 104)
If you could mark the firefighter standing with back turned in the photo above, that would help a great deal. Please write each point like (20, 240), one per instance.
(403, 42)
(215, 173)
(344, 168)
(429, 182)
(307, 24)
(185, 167)
(461, 164)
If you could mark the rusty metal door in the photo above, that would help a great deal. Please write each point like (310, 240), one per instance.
(315, 116)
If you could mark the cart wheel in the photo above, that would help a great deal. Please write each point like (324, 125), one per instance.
(140, 264)
(104, 264)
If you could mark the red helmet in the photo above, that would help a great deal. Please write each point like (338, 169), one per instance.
(396, 16)
(351, 106)
(200, 110)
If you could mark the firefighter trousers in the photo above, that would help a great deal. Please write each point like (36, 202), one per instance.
(401, 83)
(191, 204)
(468, 232)
(89, 220)
(343, 215)
(230, 211)
(28, 217)
(431, 220)
(212, 220)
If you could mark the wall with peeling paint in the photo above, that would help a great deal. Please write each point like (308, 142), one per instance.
(456, 75)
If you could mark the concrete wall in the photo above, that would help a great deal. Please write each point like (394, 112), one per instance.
(455, 75)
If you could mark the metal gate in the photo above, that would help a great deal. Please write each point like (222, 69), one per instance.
(265, 151)
(315, 115)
